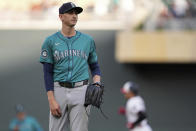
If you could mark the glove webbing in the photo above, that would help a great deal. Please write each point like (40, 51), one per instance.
(103, 114)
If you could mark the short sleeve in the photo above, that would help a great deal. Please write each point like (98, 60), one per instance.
(36, 125)
(46, 52)
(12, 125)
(93, 55)
(136, 106)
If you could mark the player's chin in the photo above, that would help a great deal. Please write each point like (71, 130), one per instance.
(74, 21)
(73, 24)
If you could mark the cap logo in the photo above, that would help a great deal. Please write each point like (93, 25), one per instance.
(73, 5)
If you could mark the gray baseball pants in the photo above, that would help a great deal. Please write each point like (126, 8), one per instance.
(74, 114)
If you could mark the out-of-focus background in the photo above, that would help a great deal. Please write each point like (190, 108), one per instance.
(151, 42)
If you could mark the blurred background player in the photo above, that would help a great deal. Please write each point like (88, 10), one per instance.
(135, 110)
(22, 122)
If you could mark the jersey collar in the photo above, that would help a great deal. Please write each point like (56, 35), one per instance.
(68, 39)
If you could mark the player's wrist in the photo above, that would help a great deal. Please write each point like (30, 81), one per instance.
(51, 99)
(98, 84)
(130, 125)
(50, 95)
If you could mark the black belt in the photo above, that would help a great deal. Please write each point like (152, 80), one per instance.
(73, 84)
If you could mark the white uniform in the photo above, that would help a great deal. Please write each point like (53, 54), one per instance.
(133, 106)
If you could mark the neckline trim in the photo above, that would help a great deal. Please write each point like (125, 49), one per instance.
(66, 38)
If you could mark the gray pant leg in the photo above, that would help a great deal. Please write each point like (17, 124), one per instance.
(79, 118)
(78, 114)
(59, 124)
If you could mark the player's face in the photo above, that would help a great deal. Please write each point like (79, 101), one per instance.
(128, 95)
(70, 18)
(21, 116)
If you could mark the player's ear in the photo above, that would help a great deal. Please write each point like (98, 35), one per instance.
(60, 16)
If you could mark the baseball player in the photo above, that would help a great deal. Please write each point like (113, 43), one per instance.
(135, 110)
(66, 56)
(22, 122)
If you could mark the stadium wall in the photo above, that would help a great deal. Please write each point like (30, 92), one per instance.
(168, 89)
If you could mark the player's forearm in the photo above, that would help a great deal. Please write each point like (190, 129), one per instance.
(95, 70)
(48, 76)
(50, 95)
(141, 117)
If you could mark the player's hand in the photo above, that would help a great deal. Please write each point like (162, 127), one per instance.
(55, 108)
(130, 126)
(121, 111)
(16, 128)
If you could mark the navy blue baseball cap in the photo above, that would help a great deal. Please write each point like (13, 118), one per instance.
(19, 108)
(69, 6)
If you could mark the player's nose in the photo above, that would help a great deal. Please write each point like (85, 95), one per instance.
(74, 14)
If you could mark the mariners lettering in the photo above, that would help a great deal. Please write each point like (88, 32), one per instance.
(62, 54)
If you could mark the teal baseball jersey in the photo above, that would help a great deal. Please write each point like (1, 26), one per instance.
(70, 56)
(28, 124)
